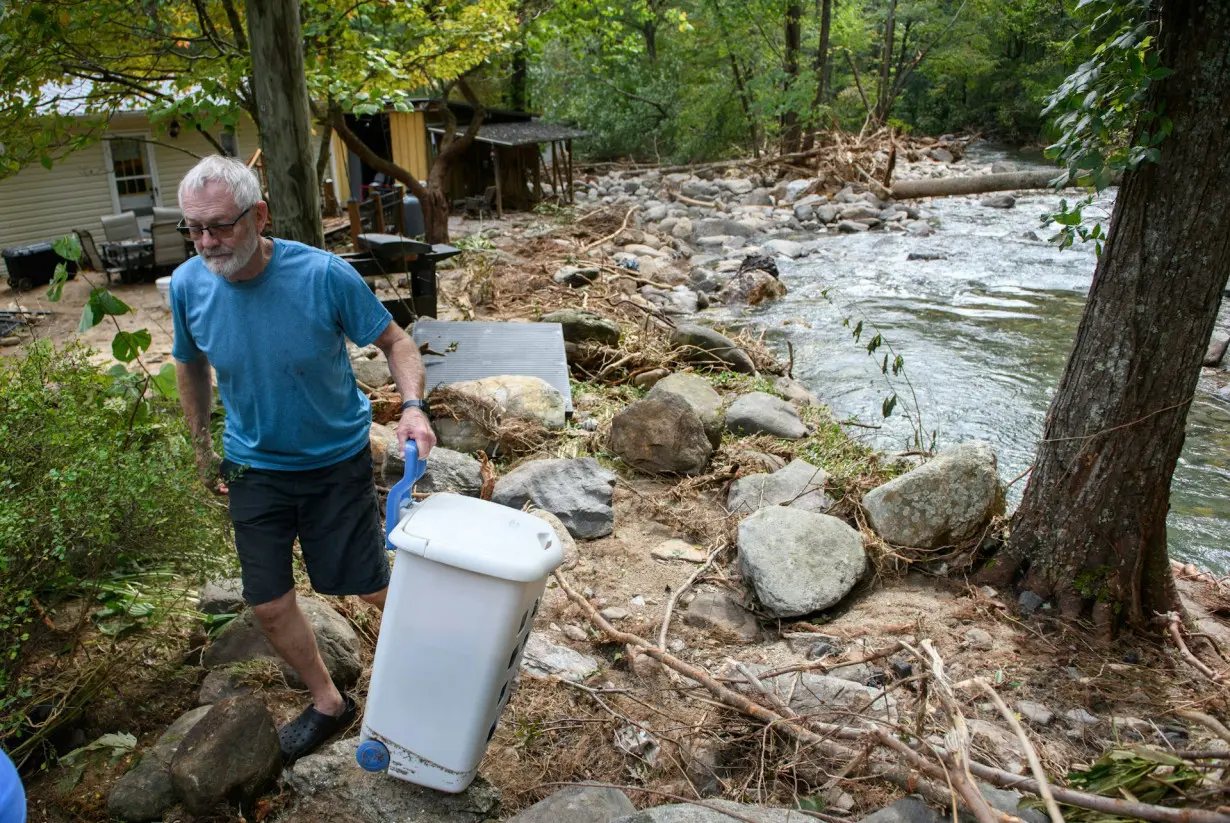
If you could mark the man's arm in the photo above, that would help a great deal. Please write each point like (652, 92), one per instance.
(195, 397)
(406, 366)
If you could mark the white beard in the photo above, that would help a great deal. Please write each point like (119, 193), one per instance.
(228, 265)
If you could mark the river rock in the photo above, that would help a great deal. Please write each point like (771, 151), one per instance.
(584, 326)
(231, 753)
(999, 201)
(221, 596)
(919, 228)
(798, 561)
(799, 485)
(906, 810)
(795, 392)
(762, 262)
(682, 229)
(940, 155)
(578, 804)
(675, 300)
(706, 346)
(649, 379)
(330, 787)
(757, 197)
(576, 276)
(383, 441)
(655, 214)
(859, 212)
(1007, 801)
(795, 188)
(761, 413)
(544, 659)
(243, 640)
(826, 213)
(690, 813)
(372, 371)
(517, 396)
(661, 435)
(752, 287)
(146, 791)
(815, 694)
(943, 502)
(804, 212)
(698, 393)
(447, 471)
(220, 684)
(698, 188)
(718, 612)
(578, 492)
(786, 248)
(1003, 744)
(1216, 351)
(1035, 713)
(722, 226)
(851, 227)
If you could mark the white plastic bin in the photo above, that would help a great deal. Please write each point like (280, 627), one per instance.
(164, 290)
(468, 577)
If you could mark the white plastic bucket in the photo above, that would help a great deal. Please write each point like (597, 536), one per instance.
(467, 581)
(164, 289)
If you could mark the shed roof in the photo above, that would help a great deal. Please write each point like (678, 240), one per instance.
(520, 134)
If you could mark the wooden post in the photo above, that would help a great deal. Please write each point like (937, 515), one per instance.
(537, 174)
(499, 189)
(379, 213)
(286, 120)
(555, 170)
(356, 221)
(571, 192)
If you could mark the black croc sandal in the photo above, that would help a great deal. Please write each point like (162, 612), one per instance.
(306, 733)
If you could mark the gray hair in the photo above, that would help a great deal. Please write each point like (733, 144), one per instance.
(240, 181)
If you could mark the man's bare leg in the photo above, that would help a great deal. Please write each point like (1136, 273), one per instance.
(290, 633)
(376, 598)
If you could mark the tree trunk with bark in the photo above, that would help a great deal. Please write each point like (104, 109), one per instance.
(285, 120)
(792, 129)
(434, 196)
(1091, 529)
(884, 94)
(824, 10)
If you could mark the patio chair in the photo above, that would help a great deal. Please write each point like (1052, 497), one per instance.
(90, 258)
(122, 226)
(169, 250)
(164, 214)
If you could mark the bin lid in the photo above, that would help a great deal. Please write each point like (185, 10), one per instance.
(479, 536)
(31, 248)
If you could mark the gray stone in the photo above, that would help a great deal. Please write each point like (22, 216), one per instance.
(221, 597)
(906, 810)
(737, 185)
(795, 392)
(698, 393)
(575, 633)
(517, 396)
(850, 227)
(668, 225)
(758, 197)
(675, 300)
(544, 659)
(675, 549)
(941, 155)
(999, 201)
(786, 248)
(578, 492)
(1216, 351)
(1030, 603)
(719, 613)
(717, 226)
(372, 372)
(798, 561)
(861, 673)
(578, 804)
(1001, 743)
(655, 214)
(576, 276)
(583, 326)
(817, 694)
(704, 345)
(795, 188)
(219, 685)
(682, 229)
(804, 212)
(649, 379)
(859, 211)
(1035, 713)
(753, 286)
(690, 813)
(146, 791)
(614, 613)
(330, 787)
(1080, 717)
(698, 188)
(761, 413)
(242, 640)
(799, 485)
(661, 435)
(827, 213)
(1003, 167)
(1009, 802)
(943, 502)
(918, 228)
(230, 754)
(979, 640)
(447, 471)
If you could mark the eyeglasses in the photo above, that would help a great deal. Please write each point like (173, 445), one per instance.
(220, 231)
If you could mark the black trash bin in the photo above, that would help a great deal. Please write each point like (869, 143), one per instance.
(32, 265)
(401, 254)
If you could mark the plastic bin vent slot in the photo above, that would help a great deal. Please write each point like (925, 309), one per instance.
(512, 660)
(491, 731)
(524, 617)
(503, 691)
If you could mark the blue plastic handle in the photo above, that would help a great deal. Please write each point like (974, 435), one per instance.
(399, 495)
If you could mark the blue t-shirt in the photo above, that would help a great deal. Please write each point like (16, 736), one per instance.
(278, 344)
(12, 796)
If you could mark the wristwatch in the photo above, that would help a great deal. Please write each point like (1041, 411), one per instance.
(415, 404)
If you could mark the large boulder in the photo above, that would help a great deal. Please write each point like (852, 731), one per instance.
(753, 286)
(945, 501)
(146, 791)
(698, 393)
(786, 248)
(798, 561)
(701, 344)
(231, 754)
(661, 435)
(221, 596)
(584, 326)
(722, 226)
(761, 413)
(578, 492)
(691, 813)
(242, 640)
(331, 788)
(578, 804)
(799, 485)
(675, 300)
(447, 471)
(372, 371)
(516, 396)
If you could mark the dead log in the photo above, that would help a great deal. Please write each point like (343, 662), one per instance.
(976, 184)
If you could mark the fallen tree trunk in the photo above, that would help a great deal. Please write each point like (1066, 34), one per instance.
(977, 184)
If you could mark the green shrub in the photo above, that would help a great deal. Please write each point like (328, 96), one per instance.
(99, 498)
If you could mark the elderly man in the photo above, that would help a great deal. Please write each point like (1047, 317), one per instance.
(272, 317)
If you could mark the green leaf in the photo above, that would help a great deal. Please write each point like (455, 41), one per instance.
(68, 247)
(109, 303)
(56, 289)
(858, 331)
(165, 382)
(90, 317)
(127, 346)
(874, 344)
(890, 403)
(45, 160)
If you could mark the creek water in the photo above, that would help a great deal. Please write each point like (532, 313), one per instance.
(985, 333)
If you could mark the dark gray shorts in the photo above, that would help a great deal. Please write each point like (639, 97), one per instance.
(332, 510)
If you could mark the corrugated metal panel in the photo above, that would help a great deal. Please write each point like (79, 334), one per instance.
(409, 142)
(470, 351)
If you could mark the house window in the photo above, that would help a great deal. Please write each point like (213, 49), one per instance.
(128, 165)
(229, 143)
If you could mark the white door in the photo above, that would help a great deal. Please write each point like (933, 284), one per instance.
(132, 175)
